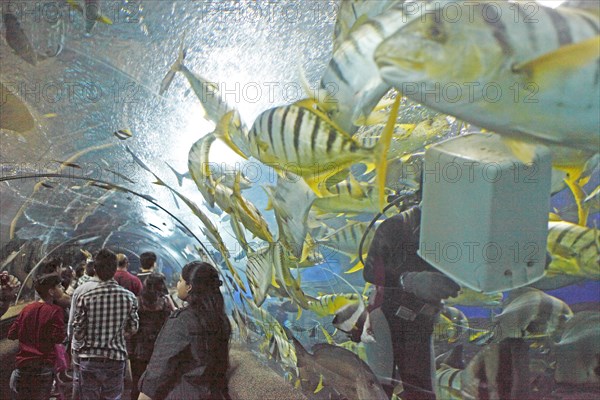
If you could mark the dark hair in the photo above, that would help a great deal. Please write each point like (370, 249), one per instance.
(66, 276)
(154, 287)
(206, 299)
(90, 268)
(49, 266)
(147, 259)
(79, 269)
(43, 283)
(105, 264)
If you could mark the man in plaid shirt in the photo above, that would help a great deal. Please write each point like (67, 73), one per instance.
(103, 316)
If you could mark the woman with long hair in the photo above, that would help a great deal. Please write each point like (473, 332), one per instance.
(191, 354)
(154, 309)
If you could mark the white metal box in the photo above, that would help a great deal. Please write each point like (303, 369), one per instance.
(485, 213)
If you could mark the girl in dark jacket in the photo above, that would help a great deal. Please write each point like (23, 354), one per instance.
(191, 354)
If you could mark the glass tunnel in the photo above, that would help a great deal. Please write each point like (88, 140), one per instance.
(273, 138)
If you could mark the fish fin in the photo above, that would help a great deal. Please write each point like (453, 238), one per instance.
(328, 337)
(382, 147)
(482, 337)
(354, 183)
(564, 59)
(223, 131)
(554, 217)
(319, 385)
(370, 166)
(579, 195)
(357, 267)
(104, 20)
(299, 313)
(525, 152)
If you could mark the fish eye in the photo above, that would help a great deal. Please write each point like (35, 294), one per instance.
(436, 33)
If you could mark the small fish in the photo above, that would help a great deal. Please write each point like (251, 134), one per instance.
(575, 250)
(123, 134)
(339, 369)
(577, 352)
(527, 313)
(47, 185)
(118, 174)
(64, 164)
(50, 115)
(14, 114)
(18, 40)
(178, 175)
(198, 166)
(472, 298)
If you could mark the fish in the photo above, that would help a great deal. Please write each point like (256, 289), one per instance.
(351, 86)
(349, 197)
(499, 371)
(18, 41)
(14, 113)
(577, 353)
(213, 103)
(575, 250)
(298, 138)
(527, 313)
(232, 201)
(259, 272)
(339, 369)
(291, 199)
(91, 13)
(346, 240)
(523, 60)
(179, 175)
(472, 298)
(198, 166)
(123, 134)
(331, 304)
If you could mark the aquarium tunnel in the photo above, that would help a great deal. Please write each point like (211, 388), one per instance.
(272, 139)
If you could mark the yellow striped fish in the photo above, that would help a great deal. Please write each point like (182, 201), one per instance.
(351, 86)
(349, 197)
(331, 304)
(575, 250)
(199, 167)
(491, 66)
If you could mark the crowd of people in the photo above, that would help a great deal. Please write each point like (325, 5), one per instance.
(101, 325)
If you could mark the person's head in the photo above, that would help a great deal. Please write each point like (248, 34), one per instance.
(79, 269)
(48, 286)
(147, 260)
(90, 268)
(51, 265)
(66, 276)
(105, 264)
(154, 287)
(198, 279)
(122, 261)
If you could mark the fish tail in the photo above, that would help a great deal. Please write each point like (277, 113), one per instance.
(176, 67)
(481, 338)
(381, 151)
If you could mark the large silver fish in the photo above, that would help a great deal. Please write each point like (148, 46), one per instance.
(530, 75)
(529, 313)
(338, 369)
(577, 352)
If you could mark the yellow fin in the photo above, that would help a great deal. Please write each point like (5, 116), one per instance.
(563, 59)
(554, 217)
(357, 267)
(104, 20)
(579, 195)
(525, 152)
(320, 385)
(382, 149)
(328, 337)
(222, 131)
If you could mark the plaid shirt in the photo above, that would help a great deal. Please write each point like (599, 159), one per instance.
(102, 316)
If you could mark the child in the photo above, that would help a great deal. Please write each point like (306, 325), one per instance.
(38, 328)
